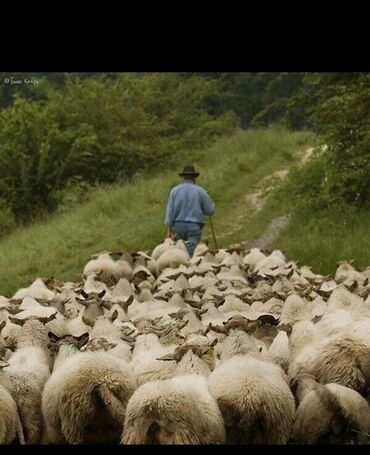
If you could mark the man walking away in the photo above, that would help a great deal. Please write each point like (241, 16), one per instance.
(188, 205)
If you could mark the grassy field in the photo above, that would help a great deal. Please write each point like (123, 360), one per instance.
(131, 217)
(314, 236)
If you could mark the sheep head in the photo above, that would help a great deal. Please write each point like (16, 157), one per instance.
(180, 351)
(75, 342)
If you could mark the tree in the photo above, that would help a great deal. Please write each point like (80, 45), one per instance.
(341, 112)
(101, 129)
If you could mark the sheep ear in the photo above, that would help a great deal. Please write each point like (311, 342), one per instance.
(289, 275)
(113, 316)
(2, 325)
(4, 364)
(128, 302)
(82, 339)
(53, 337)
(48, 319)
(84, 294)
(102, 293)
(107, 305)
(17, 321)
(268, 319)
(167, 357)
(294, 385)
(214, 342)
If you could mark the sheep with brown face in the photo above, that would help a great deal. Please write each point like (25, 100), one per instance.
(94, 304)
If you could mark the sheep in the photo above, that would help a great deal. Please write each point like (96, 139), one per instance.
(156, 321)
(278, 351)
(266, 265)
(94, 306)
(173, 411)
(343, 359)
(107, 269)
(303, 334)
(197, 356)
(37, 290)
(97, 385)
(307, 273)
(341, 298)
(77, 326)
(255, 400)
(28, 370)
(171, 258)
(347, 274)
(4, 303)
(145, 363)
(10, 332)
(160, 249)
(238, 342)
(35, 311)
(330, 409)
(253, 257)
(109, 337)
(295, 308)
(93, 284)
(335, 321)
(10, 424)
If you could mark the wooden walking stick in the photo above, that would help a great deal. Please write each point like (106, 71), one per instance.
(213, 233)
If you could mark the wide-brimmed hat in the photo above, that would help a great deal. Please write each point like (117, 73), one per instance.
(188, 171)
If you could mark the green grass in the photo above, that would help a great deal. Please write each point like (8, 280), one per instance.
(131, 217)
(322, 238)
(318, 237)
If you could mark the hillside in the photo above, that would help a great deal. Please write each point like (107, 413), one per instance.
(236, 171)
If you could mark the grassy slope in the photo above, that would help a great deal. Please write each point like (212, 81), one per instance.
(319, 238)
(130, 217)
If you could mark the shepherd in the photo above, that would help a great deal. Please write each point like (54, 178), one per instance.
(188, 205)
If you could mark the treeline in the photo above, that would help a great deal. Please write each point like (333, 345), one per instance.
(260, 99)
(338, 106)
(61, 133)
(99, 129)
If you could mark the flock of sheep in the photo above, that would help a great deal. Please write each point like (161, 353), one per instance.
(229, 346)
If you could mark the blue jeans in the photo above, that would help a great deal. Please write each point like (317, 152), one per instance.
(191, 233)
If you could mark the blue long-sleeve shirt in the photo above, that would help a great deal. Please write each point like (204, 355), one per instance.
(188, 202)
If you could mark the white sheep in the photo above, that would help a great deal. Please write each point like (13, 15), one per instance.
(95, 384)
(28, 370)
(10, 424)
(171, 258)
(37, 290)
(174, 411)
(331, 410)
(254, 399)
(343, 359)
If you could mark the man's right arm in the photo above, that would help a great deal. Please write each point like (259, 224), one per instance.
(207, 204)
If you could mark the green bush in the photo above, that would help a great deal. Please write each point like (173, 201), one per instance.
(101, 130)
(342, 116)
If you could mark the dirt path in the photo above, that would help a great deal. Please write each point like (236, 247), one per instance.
(256, 201)
(271, 233)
